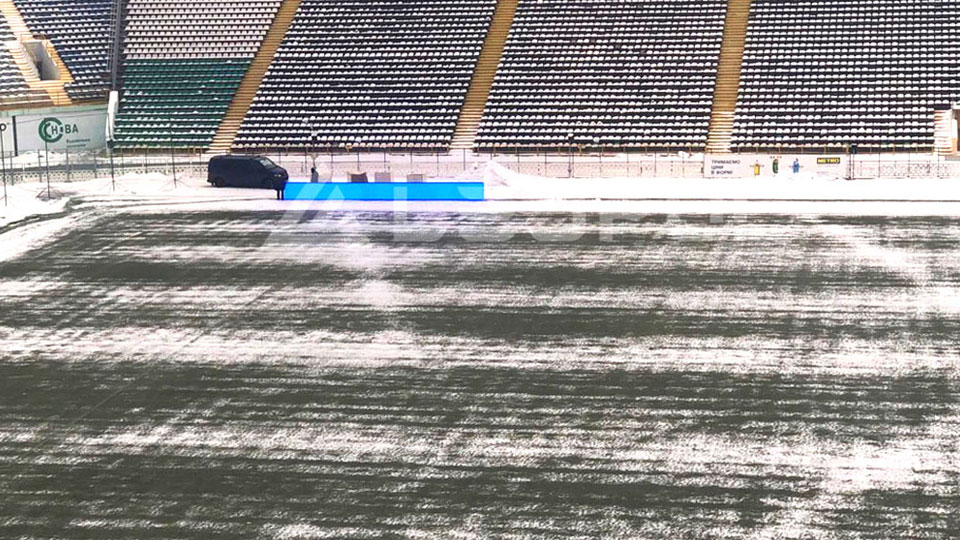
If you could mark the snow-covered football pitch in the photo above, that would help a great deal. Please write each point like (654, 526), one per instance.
(258, 371)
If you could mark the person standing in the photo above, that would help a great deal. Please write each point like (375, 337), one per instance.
(314, 175)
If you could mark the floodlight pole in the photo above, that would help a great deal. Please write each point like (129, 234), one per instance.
(116, 32)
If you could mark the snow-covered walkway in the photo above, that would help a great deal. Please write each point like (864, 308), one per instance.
(508, 191)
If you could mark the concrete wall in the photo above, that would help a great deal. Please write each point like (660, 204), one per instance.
(46, 67)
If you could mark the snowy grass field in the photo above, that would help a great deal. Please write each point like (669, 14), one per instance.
(179, 372)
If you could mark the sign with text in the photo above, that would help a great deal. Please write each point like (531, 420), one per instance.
(6, 135)
(774, 166)
(726, 167)
(74, 129)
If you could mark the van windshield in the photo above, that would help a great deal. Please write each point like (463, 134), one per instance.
(266, 163)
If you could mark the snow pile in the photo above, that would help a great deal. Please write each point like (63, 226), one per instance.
(508, 191)
(505, 184)
(25, 200)
(30, 199)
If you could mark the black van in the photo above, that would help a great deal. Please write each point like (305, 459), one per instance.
(246, 171)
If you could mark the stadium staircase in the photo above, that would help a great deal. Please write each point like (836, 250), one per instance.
(243, 99)
(943, 132)
(16, 23)
(53, 88)
(466, 131)
(728, 77)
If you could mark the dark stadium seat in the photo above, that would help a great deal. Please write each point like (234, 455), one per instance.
(832, 73)
(373, 73)
(14, 91)
(80, 30)
(11, 80)
(183, 63)
(631, 73)
(394, 74)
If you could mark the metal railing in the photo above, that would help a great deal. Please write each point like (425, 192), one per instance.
(68, 166)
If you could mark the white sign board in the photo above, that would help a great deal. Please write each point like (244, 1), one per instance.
(775, 166)
(725, 166)
(78, 129)
(67, 130)
(6, 135)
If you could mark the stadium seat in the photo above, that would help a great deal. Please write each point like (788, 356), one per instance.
(378, 74)
(183, 62)
(14, 91)
(624, 73)
(80, 31)
(833, 73)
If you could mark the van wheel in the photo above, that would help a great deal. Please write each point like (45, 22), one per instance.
(266, 184)
(219, 182)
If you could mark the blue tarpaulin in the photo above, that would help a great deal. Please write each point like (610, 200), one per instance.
(427, 191)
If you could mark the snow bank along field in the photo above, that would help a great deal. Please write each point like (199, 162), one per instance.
(187, 363)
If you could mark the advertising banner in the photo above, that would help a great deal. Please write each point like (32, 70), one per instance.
(726, 166)
(775, 166)
(78, 129)
(6, 135)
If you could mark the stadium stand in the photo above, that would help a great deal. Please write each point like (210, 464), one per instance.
(520, 74)
(631, 73)
(12, 83)
(832, 73)
(183, 62)
(80, 31)
(14, 90)
(729, 68)
(465, 134)
(247, 91)
(369, 73)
